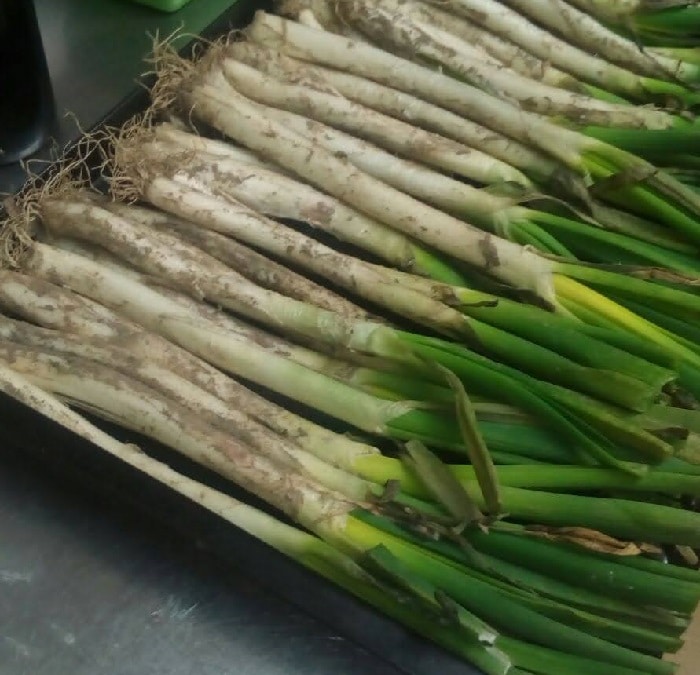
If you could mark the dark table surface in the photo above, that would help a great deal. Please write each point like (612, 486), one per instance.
(92, 589)
(86, 589)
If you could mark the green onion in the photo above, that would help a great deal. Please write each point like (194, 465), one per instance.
(586, 32)
(662, 196)
(594, 69)
(398, 25)
(377, 567)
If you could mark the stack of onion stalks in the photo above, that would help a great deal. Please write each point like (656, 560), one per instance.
(449, 333)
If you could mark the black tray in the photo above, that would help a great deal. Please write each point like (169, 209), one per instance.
(38, 445)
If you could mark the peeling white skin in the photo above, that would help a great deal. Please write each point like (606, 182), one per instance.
(250, 263)
(395, 103)
(209, 146)
(316, 14)
(247, 123)
(206, 406)
(290, 492)
(393, 21)
(277, 195)
(166, 317)
(190, 269)
(306, 16)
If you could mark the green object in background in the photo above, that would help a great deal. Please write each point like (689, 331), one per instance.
(164, 5)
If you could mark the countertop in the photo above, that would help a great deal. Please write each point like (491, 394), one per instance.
(92, 589)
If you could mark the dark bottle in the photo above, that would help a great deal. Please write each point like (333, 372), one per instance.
(26, 100)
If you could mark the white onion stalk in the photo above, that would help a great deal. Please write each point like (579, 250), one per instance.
(337, 521)
(23, 390)
(270, 192)
(307, 17)
(95, 378)
(155, 361)
(321, 511)
(615, 12)
(238, 329)
(283, 197)
(586, 32)
(208, 146)
(500, 19)
(135, 406)
(585, 155)
(396, 339)
(61, 355)
(47, 305)
(324, 48)
(62, 310)
(131, 404)
(221, 247)
(168, 318)
(396, 104)
(397, 419)
(58, 361)
(427, 297)
(382, 130)
(272, 275)
(185, 266)
(370, 380)
(259, 188)
(357, 370)
(320, 357)
(316, 14)
(507, 53)
(15, 294)
(378, 377)
(395, 23)
(200, 196)
(246, 122)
